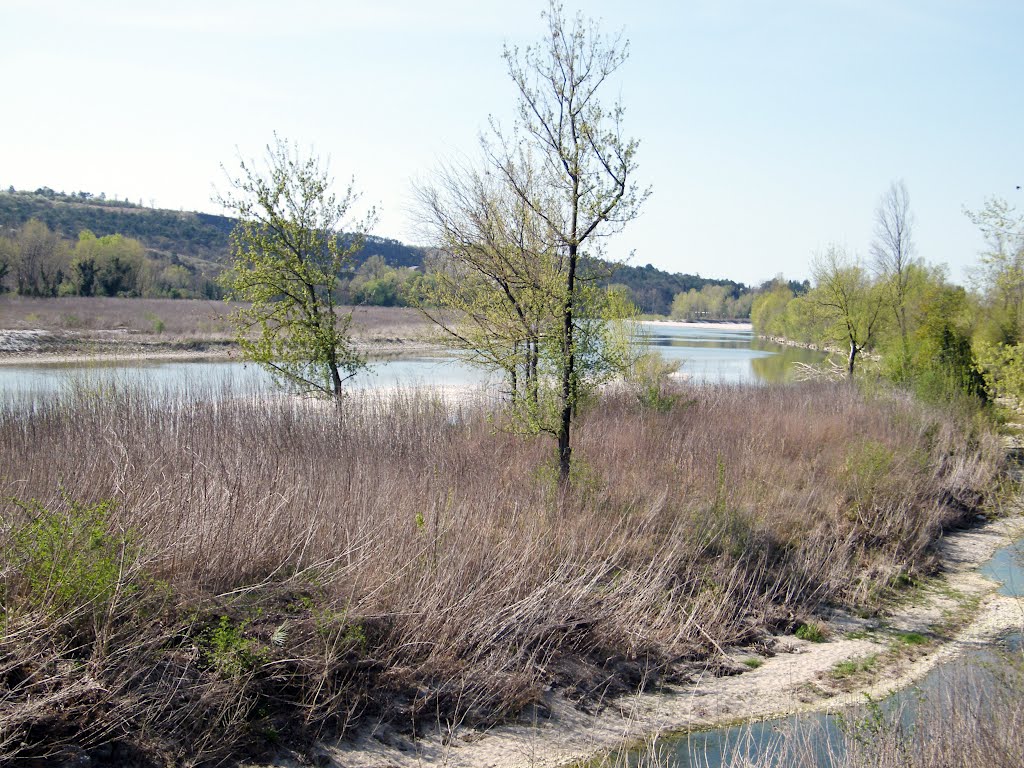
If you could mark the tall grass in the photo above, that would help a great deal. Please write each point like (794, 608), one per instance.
(274, 570)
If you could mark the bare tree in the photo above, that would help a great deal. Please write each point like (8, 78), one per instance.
(490, 289)
(587, 167)
(893, 252)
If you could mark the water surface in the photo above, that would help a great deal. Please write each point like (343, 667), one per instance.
(711, 354)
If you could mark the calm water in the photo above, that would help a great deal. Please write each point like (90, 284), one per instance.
(716, 355)
(731, 355)
(719, 748)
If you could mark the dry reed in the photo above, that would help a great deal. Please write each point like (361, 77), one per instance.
(274, 571)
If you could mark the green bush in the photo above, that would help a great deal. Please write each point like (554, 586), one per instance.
(66, 558)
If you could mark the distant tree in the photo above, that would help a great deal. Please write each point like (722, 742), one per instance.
(8, 258)
(893, 253)
(289, 254)
(847, 302)
(768, 312)
(41, 262)
(112, 265)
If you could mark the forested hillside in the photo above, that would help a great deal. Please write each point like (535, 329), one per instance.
(180, 254)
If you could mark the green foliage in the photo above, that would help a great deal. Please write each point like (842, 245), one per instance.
(768, 311)
(229, 651)
(288, 258)
(910, 639)
(68, 557)
(845, 304)
(854, 667)
(650, 377)
(156, 323)
(811, 632)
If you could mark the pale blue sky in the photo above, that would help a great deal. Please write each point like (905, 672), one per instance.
(767, 129)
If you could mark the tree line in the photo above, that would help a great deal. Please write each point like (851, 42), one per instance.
(918, 328)
(36, 261)
(384, 273)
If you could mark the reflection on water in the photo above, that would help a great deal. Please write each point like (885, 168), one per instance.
(731, 355)
(712, 354)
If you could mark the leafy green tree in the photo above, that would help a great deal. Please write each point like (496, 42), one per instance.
(112, 265)
(574, 140)
(289, 253)
(1001, 274)
(768, 312)
(8, 258)
(847, 303)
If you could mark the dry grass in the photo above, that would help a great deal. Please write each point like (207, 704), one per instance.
(271, 571)
(179, 319)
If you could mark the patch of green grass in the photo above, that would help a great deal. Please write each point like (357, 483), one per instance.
(861, 634)
(910, 638)
(811, 632)
(853, 667)
(753, 662)
(229, 651)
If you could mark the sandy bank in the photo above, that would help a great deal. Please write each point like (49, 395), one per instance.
(39, 347)
(795, 678)
(689, 324)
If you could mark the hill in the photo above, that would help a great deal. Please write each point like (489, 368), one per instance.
(200, 241)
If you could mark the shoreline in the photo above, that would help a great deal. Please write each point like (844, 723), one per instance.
(743, 325)
(104, 352)
(792, 679)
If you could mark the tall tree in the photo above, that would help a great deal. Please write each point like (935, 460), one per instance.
(587, 168)
(289, 252)
(1001, 274)
(893, 252)
(846, 301)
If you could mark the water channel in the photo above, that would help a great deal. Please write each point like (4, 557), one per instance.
(824, 730)
(705, 353)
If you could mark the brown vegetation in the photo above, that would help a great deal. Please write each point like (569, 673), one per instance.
(272, 571)
(84, 324)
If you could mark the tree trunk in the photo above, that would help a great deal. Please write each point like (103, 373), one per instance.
(568, 371)
(336, 383)
(853, 359)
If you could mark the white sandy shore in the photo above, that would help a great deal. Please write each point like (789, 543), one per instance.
(689, 324)
(793, 680)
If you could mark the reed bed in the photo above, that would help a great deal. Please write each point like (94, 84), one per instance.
(190, 579)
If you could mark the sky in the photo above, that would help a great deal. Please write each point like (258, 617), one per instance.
(768, 130)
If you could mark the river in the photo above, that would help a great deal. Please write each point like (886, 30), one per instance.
(709, 353)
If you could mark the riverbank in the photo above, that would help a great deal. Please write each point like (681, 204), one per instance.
(783, 675)
(36, 347)
(229, 577)
(74, 329)
(738, 325)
